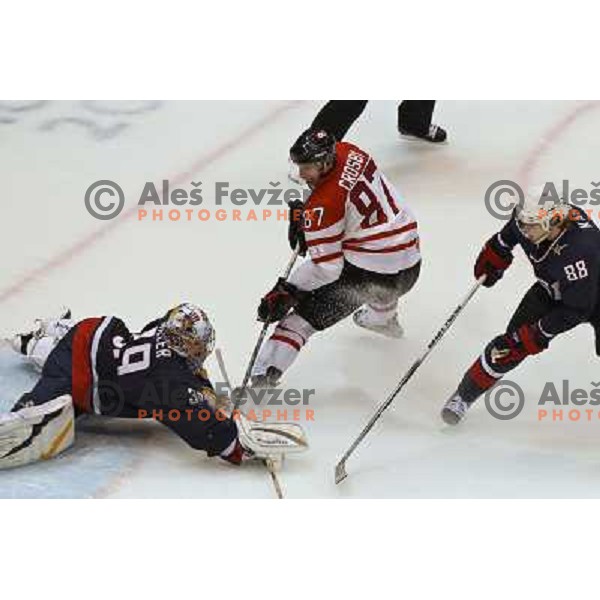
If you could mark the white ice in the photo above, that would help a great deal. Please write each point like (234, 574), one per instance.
(54, 253)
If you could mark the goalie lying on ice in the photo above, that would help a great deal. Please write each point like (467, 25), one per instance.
(98, 366)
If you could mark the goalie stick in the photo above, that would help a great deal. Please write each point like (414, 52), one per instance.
(269, 463)
(340, 469)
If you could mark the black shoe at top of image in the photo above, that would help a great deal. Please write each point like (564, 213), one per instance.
(435, 134)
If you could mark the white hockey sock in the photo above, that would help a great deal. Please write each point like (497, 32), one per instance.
(282, 348)
(39, 348)
(57, 328)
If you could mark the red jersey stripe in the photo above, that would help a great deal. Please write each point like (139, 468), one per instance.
(81, 364)
(328, 257)
(389, 249)
(383, 234)
(326, 240)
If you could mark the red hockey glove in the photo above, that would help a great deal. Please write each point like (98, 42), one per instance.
(513, 347)
(279, 301)
(492, 261)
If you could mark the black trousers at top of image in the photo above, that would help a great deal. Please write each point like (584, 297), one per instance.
(337, 116)
(331, 303)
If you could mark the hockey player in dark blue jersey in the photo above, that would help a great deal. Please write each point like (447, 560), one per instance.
(158, 373)
(563, 247)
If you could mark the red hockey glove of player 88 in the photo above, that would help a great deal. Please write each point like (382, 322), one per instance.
(513, 347)
(492, 261)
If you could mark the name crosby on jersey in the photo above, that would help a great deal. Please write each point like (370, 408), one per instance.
(352, 170)
(351, 173)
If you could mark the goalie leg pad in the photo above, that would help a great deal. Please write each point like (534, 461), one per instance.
(36, 433)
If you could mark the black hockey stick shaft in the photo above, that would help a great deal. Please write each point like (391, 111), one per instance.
(261, 337)
(340, 469)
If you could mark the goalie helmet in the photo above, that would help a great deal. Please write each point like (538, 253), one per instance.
(313, 146)
(189, 332)
(542, 208)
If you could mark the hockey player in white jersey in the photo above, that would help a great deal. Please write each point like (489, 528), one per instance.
(362, 247)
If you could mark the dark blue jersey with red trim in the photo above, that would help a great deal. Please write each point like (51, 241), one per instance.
(118, 373)
(567, 267)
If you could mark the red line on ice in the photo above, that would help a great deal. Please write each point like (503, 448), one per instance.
(77, 248)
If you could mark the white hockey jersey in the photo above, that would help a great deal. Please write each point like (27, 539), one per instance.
(355, 215)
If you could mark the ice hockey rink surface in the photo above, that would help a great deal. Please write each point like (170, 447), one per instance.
(55, 254)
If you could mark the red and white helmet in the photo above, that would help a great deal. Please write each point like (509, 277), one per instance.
(189, 332)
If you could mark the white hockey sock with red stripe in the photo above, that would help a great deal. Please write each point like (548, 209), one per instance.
(282, 348)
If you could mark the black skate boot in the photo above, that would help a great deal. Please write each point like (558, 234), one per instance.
(435, 134)
(268, 380)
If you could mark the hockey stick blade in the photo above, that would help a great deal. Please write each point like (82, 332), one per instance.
(340, 472)
(276, 483)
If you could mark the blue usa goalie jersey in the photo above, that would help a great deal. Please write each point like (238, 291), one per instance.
(117, 373)
(568, 268)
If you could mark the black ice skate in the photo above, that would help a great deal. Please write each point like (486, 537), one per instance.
(268, 380)
(435, 134)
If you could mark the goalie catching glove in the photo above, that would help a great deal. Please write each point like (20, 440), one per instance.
(265, 440)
